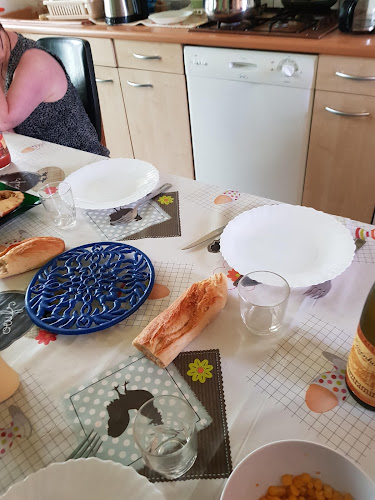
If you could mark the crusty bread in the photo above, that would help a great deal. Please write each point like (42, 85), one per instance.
(165, 337)
(9, 201)
(29, 254)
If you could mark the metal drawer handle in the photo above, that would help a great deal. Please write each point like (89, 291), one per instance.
(133, 84)
(351, 77)
(140, 56)
(242, 65)
(342, 113)
(99, 80)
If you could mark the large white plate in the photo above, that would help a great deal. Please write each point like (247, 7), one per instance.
(86, 479)
(170, 16)
(265, 466)
(112, 183)
(301, 244)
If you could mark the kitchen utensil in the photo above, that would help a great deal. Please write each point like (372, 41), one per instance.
(133, 212)
(84, 478)
(301, 244)
(168, 443)
(112, 183)
(321, 290)
(57, 199)
(29, 201)
(263, 306)
(265, 466)
(89, 288)
(228, 11)
(170, 16)
(309, 5)
(124, 11)
(88, 447)
(356, 16)
(205, 238)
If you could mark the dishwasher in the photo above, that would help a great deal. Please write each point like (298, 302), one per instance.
(250, 116)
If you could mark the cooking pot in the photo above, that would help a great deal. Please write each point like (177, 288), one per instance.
(228, 11)
(309, 5)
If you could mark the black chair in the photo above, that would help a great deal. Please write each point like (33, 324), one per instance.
(75, 54)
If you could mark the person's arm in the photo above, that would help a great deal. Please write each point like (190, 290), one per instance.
(38, 78)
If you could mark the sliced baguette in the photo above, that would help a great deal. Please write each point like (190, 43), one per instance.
(29, 254)
(173, 329)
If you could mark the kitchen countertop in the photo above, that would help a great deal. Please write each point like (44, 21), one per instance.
(336, 43)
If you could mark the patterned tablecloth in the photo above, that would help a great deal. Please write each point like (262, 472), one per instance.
(259, 387)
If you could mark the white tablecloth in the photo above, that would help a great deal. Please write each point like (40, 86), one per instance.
(265, 380)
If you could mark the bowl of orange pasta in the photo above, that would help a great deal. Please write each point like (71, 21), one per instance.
(297, 470)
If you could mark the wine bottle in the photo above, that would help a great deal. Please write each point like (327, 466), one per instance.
(360, 371)
(4, 152)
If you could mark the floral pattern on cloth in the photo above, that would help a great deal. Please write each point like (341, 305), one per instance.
(18, 428)
(45, 337)
(165, 200)
(200, 370)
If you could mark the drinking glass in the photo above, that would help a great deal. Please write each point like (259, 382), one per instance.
(57, 199)
(263, 301)
(165, 433)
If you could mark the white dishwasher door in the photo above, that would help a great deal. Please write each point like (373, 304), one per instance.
(250, 121)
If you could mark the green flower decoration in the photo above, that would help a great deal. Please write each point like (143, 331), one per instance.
(200, 370)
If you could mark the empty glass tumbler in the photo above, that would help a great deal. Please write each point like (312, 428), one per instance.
(165, 433)
(57, 199)
(263, 301)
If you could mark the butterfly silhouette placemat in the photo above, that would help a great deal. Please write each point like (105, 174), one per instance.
(169, 202)
(109, 404)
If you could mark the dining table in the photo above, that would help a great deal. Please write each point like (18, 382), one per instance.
(256, 389)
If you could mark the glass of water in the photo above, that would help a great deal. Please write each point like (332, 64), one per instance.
(57, 199)
(165, 433)
(263, 300)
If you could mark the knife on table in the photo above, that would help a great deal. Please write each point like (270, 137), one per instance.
(205, 238)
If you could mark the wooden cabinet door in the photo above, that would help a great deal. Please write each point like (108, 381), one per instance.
(158, 116)
(340, 174)
(114, 120)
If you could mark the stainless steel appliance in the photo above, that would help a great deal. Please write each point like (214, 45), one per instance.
(124, 11)
(357, 16)
(298, 22)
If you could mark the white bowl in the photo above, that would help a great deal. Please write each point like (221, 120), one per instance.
(265, 466)
(170, 16)
(84, 479)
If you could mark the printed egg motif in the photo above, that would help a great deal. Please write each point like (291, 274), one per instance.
(227, 197)
(328, 389)
(158, 292)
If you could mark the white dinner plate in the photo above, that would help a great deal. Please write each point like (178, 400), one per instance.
(301, 244)
(112, 183)
(170, 16)
(86, 479)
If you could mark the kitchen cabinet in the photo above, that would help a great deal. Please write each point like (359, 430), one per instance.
(340, 173)
(154, 90)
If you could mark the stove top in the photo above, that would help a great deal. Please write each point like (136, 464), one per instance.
(278, 22)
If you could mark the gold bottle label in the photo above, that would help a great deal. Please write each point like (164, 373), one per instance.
(360, 372)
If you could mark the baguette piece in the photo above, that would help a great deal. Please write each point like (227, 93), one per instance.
(173, 329)
(29, 254)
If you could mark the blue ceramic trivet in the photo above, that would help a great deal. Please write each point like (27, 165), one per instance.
(89, 288)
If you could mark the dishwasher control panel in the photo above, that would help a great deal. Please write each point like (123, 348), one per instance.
(253, 66)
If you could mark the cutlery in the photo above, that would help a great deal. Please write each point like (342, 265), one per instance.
(205, 238)
(88, 447)
(321, 290)
(126, 215)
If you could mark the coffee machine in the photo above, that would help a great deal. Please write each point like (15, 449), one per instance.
(124, 11)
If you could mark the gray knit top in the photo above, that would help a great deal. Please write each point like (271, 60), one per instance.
(63, 122)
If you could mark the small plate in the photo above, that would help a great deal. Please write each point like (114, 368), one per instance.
(112, 183)
(170, 16)
(303, 245)
(30, 201)
(89, 288)
(86, 479)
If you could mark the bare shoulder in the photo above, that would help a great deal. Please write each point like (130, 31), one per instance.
(39, 60)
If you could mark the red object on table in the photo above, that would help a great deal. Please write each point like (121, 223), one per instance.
(4, 153)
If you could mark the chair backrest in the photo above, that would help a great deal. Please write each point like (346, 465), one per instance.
(75, 54)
